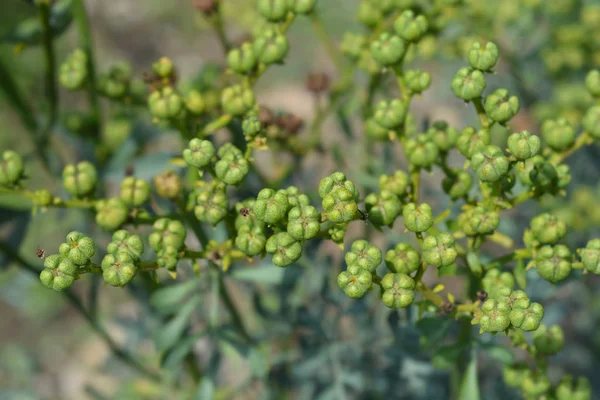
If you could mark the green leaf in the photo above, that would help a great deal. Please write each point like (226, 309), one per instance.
(206, 389)
(448, 270)
(469, 386)
(520, 274)
(448, 356)
(258, 363)
(432, 330)
(170, 298)
(14, 201)
(268, 274)
(168, 336)
(498, 352)
(175, 356)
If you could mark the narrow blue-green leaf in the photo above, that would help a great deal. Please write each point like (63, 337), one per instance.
(175, 356)
(267, 274)
(498, 352)
(171, 297)
(206, 389)
(448, 356)
(520, 274)
(168, 336)
(469, 387)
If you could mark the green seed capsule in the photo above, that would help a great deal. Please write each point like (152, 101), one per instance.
(569, 389)
(353, 44)
(73, 73)
(468, 84)
(383, 208)
(168, 184)
(11, 168)
(242, 60)
(78, 248)
(123, 241)
(389, 114)
(536, 384)
(43, 197)
(304, 6)
(495, 281)
(471, 141)
(271, 47)
(592, 82)
(369, 14)
(237, 100)
(165, 103)
(270, 206)
(590, 256)
(439, 250)
(495, 316)
(250, 240)
(529, 318)
(544, 175)
(490, 164)
(548, 341)
(515, 374)
(417, 218)
(59, 273)
(591, 121)
(548, 229)
(388, 49)
(411, 27)
(111, 213)
(458, 184)
(355, 281)
(80, 180)
(364, 255)
(398, 290)
(558, 134)
(403, 259)
(397, 183)
(199, 153)
(417, 81)
(118, 269)
(421, 151)
(523, 145)
(273, 10)
(164, 67)
(484, 221)
(481, 57)
(231, 169)
(134, 192)
(251, 126)
(195, 102)
(168, 257)
(285, 249)
(443, 136)
(376, 131)
(501, 107)
(167, 232)
(304, 222)
(553, 263)
(212, 205)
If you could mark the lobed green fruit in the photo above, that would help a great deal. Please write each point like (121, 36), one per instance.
(134, 192)
(398, 290)
(167, 232)
(411, 27)
(383, 208)
(250, 240)
(389, 114)
(421, 151)
(403, 258)
(397, 183)
(495, 281)
(458, 184)
(199, 153)
(471, 141)
(364, 255)
(355, 281)
(118, 269)
(417, 217)
(271, 47)
(592, 82)
(590, 256)
(164, 67)
(123, 241)
(443, 135)
(500, 106)
(212, 205)
(168, 184)
(490, 164)
(270, 207)
(468, 84)
(388, 49)
(111, 213)
(165, 103)
(303, 222)
(73, 73)
(80, 180)
(535, 384)
(591, 121)
(273, 10)
(231, 169)
(569, 389)
(548, 228)
(528, 318)
(496, 316)
(484, 221)
(553, 263)
(59, 273)
(78, 248)
(242, 60)
(439, 250)
(237, 100)
(285, 249)
(11, 168)
(548, 340)
(523, 145)
(558, 134)
(483, 58)
(417, 81)
(168, 257)
(195, 102)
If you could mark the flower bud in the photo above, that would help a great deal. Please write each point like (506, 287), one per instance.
(337, 232)
(458, 184)
(167, 232)
(495, 281)
(590, 256)
(165, 103)
(564, 176)
(490, 164)
(194, 102)
(548, 341)
(11, 168)
(388, 49)
(285, 249)
(364, 255)
(270, 206)
(237, 100)
(553, 263)
(304, 222)
(369, 14)
(376, 131)
(403, 259)
(115, 83)
(484, 221)
(439, 250)
(199, 153)
(398, 290)
(535, 384)
(73, 72)
(250, 240)
(501, 107)
(558, 134)
(495, 316)
(304, 6)
(524, 145)
(417, 218)
(592, 82)
(271, 47)
(59, 273)
(355, 281)
(242, 60)
(115, 132)
(168, 257)
(421, 151)
(468, 84)
(548, 229)
(251, 126)
(134, 192)
(383, 208)
(417, 81)
(591, 121)
(80, 180)
(78, 248)
(471, 141)
(42, 198)
(389, 114)
(118, 269)
(123, 241)
(273, 10)
(168, 184)
(410, 27)
(443, 136)
(231, 169)
(163, 67)
(516, 299)
(568, 389)
(529, 318)
(353, 44)
(111, 213)
(396, 183)
(481, 57)
(212, 205)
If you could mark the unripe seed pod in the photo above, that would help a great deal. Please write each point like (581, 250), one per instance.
(389, 114)
(304, 6)
(364, 255)
(303, 222)
(163, 67)
(590, 256)
(118, 269)
(355, 281)
(42, 197)
(123, 241)
(111, 213)
(417, 218)
(11, 168)
(592, 82)
(242, 60)
(199, 153)
(195, 102)
(421, 151)
(484, 221)
(270, 206)
(443, 136)
(417, 81)
(495, 316)
(78, 248)
(558, 134)
(250, 240)
(524, 145)
(165, 103)
(80, 180)
(398, 290)
(471, 141)
(167, 232)
(548, 229)
(468, 84)
(212, 205)
(548, 341)
(591, 121)
(383, 208)
(134, 192)
(73, 72)
(495, 281)
(388, 49)
(273, 10)
(168, 184)
(237, 100)
(251, 126)
(285, 249)
(271, 47)
(544, 175)
(353, 44)
(397, 183)
(59, 273)
(246, 215)
(490, 164)
(458, 184)
(295, 198)
(439, 250)
(376, 131)
(501, 107)
(515, 374)
(529, 318)
(411, 27)
(524, 168)
(569, 389)
(231, 169)
(536, 384)
(403, 259)
(481, 57)
(168, 257)
(115, 132)
(369, 14)
(553, 263)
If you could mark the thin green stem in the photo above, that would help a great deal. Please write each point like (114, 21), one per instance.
(230, 306)
(483, 118)
(332, 50)
(415, 179)
(51, 88)
(83, 26)
(216, 21)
